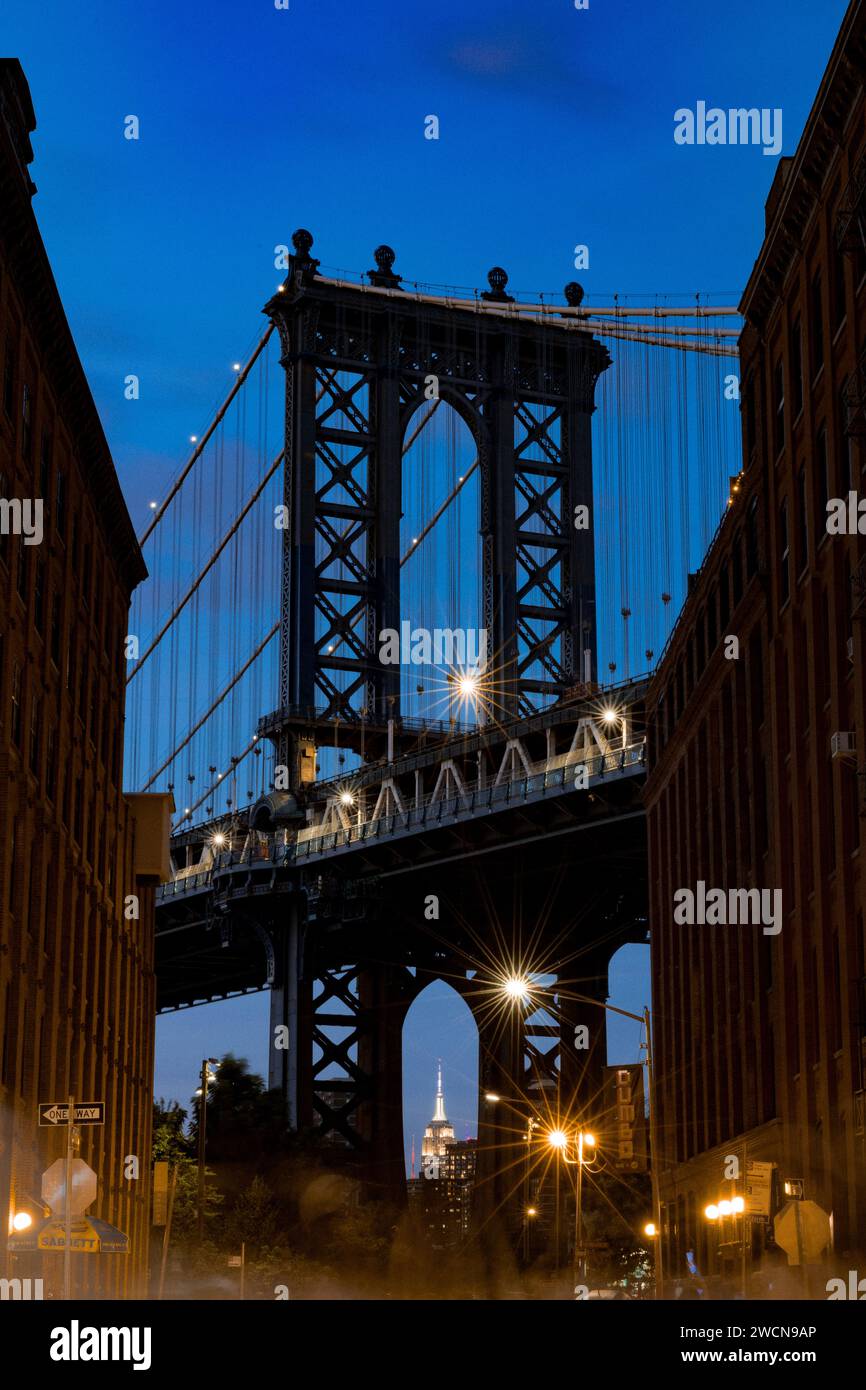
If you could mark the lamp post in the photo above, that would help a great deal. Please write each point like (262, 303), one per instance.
(517, 989)
(206, 1079)
(529, 1211)
(582, 1140)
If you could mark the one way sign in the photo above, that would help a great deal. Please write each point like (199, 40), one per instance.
(91, 1112)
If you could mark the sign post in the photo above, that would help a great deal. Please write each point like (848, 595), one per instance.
(67, 1251)
(166, 1235)
(239, 1262)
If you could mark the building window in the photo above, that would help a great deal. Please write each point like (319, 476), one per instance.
(26, 421)
(55, 629)
(50, 770)
(39, 595)
(60, 506)
(10, 371)
(778, 408)
(822, 484)
(34, 738)
(724, 597)
(749, 413)
(840, 308)
(816, 301)
(797, 366)
(4, 535)
(784, 543)
(16, 705)
(86, 573)
(752, 539)
(45, 470)
(737, 568)
(76, 819)
(846, 443)
(83, 685)
(21, 579)
(803, 523)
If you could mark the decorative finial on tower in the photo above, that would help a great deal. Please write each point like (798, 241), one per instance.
(497, 279)
(305, 265)
(383, 275)
(440, 1097)
(573, 294)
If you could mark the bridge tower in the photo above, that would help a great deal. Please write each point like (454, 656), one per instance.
(359, 361)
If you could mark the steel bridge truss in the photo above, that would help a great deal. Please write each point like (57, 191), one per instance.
(360, 362)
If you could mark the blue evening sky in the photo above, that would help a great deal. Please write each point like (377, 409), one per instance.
(556, 128)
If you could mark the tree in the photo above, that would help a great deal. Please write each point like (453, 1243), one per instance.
(255, 1218)
(169, 1140)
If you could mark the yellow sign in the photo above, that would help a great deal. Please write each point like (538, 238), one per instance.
(89, 1236)
(160, 1193)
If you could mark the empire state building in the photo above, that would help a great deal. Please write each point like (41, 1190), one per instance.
(438, 1134)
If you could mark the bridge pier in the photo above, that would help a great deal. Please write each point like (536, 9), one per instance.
(583, 1040)
(284, 1011)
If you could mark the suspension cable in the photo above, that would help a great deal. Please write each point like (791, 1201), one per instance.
(209, 566)
(217, 702)
(200, 446)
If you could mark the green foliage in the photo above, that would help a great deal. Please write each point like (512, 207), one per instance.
(254, 1218)
(270, 1190)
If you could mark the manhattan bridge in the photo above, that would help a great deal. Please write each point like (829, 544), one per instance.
(420, 461)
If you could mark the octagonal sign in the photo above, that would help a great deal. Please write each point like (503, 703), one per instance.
(83, 1187)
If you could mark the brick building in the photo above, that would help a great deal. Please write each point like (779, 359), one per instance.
(760, 1038)
(76, 968)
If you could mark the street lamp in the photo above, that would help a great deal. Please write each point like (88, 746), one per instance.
(206, 1078)
(581, 1142)
(645, 1019)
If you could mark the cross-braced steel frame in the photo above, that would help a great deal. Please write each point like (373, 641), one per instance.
(360, 361)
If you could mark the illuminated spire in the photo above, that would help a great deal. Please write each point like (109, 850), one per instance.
(440, 1116)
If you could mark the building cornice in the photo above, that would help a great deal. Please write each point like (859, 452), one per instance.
(30, 270)
(797, 187)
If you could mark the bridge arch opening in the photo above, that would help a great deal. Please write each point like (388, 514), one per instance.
(439, 1031)
(441, 583)
(629, 983)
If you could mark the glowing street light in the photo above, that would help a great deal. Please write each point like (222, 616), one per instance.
(22, 1221)
(516, 987)
(558, 1139)
(712, 1212)
(347, 799)
(207, 1079)
(218, 840)
(650, 1230)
